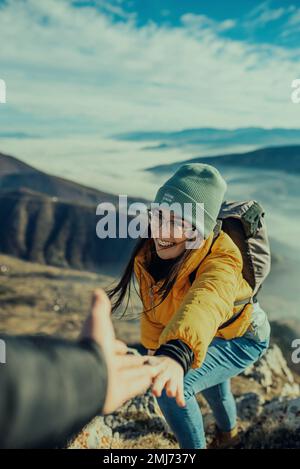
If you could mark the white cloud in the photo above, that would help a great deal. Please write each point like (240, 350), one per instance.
(293, 24)
(75, 68)
(112, 7)
(199, 23)
(263, 14)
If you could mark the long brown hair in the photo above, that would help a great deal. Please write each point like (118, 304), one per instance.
(118, 293)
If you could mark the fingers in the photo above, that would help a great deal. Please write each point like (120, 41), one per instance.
(175, 390)
(171, 388)
(134, 361)
(100, 302)
(130, 361)
(136, 381)
(158, 362)
(127, 384)
(159, 384)
(101, 324)
(120, 348)
(98, 325)
(180, 395)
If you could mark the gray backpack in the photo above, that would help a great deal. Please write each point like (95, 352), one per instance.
(244, 223)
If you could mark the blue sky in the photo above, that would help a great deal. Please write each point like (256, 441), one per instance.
(99, 67)
(257, 21)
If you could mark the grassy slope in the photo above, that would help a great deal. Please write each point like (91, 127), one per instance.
(35, 298)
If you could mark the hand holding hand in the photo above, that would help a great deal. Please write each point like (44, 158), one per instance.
(128, 375)
(170, 376)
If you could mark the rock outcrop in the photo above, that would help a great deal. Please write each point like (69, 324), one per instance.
(137, 418)
(272, 372)
(277, 426)
(268, 404)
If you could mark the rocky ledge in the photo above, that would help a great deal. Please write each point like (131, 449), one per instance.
(268, 403)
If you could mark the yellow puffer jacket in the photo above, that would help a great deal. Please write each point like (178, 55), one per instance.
(193, 313)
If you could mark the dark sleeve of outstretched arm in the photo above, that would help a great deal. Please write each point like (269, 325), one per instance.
(179, 351)
(49, 389)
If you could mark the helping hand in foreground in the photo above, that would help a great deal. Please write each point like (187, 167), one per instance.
(128, 375)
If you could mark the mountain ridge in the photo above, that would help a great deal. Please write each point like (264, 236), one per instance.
(52, 220)
(283, 158)
(15, 173)
(216, 136)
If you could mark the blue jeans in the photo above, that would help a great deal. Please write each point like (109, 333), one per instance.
(224, 359)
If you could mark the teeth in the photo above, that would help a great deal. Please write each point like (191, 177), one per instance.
(165, 243)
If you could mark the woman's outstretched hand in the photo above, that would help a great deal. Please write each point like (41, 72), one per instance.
(169, 377)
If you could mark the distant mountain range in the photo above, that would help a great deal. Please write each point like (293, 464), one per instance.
(17, 135)
(15, 175)
(285, 158)
(38, 229)
(51, 220)
(215, 137)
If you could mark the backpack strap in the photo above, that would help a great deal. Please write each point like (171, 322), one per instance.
(217, 230)
(237, 315)
(246, 301)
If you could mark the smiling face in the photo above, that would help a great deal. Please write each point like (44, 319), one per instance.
(169, 233)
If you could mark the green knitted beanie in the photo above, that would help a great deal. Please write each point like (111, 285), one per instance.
(192, 183)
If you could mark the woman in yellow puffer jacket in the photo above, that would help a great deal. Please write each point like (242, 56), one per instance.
(199, 338)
